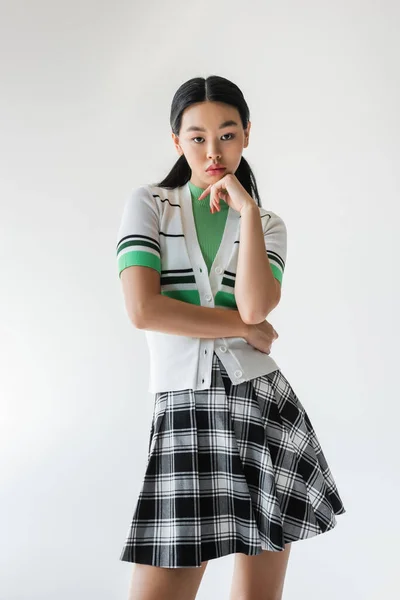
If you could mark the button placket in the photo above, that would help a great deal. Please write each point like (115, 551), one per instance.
(206, 357)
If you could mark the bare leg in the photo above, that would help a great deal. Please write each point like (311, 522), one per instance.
(154, 583)
(259, 577)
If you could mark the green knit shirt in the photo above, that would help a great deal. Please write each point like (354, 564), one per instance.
(209, 226)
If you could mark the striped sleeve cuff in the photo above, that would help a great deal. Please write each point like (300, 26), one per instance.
(138, 236)
(275, 237)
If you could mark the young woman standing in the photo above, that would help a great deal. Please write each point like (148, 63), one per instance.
(234, 464)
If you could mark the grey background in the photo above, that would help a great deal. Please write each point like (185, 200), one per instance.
(85, 95)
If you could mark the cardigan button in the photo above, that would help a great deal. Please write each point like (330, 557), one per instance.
(222, 348)
(238, 373)
(218, 270)
(209, 297)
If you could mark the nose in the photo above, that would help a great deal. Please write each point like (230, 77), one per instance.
(214, 153)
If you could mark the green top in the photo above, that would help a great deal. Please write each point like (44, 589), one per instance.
(209, 226)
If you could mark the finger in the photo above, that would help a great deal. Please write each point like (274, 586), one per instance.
(205, 192)
(214, 199)
(216, 204)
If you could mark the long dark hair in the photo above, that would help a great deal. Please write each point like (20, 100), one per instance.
(199, 89)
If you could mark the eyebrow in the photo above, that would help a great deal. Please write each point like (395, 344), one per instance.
(228, 123)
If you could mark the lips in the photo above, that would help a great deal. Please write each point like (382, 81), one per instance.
(215, 169)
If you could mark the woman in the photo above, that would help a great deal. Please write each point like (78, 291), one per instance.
(234, 464)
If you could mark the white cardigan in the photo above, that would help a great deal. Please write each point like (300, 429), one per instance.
(157, 230)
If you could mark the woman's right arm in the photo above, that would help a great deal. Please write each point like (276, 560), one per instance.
(148, 309)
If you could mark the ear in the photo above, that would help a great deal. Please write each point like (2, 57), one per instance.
(175, 139)
(247, 134)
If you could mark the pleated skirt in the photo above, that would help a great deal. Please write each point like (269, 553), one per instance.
(233, 468)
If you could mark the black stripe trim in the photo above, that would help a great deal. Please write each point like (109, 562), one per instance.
(164, 200)
(228, 282)
(277, 258)
(172, 234)
(175, 279)
(138, 240)
(178, 271)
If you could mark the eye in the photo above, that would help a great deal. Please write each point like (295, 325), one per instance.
(231, 134)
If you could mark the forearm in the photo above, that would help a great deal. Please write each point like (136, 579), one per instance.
(255, 286)
(169, 315)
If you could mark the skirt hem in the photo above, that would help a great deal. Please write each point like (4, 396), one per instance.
(127, 554)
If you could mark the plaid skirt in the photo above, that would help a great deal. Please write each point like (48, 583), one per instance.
(233, 468)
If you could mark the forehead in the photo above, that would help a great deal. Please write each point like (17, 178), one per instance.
(209, 115)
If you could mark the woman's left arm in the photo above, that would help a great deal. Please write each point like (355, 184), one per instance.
(262, 255)
(257, 291)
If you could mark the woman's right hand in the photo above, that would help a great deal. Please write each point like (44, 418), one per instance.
(261, 335)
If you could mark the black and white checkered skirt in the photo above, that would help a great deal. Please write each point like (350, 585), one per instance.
(230, 469)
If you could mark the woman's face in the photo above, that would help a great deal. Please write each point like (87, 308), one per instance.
(210, 143)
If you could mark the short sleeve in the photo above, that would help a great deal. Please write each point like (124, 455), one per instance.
(138, 238)
(275, 238)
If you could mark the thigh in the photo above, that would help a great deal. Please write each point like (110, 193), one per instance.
(153, 583)
(259, 577)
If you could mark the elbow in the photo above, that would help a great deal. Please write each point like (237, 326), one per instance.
(137, 318)
(257, 316)
(136, 322)
(253, 313)
(253, 319)
(144, 311)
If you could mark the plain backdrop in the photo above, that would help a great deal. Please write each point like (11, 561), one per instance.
(86, 90)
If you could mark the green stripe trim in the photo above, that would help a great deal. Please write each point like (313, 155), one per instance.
(225, 299)
(191, 296)
(138, 257)
(277, 273)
